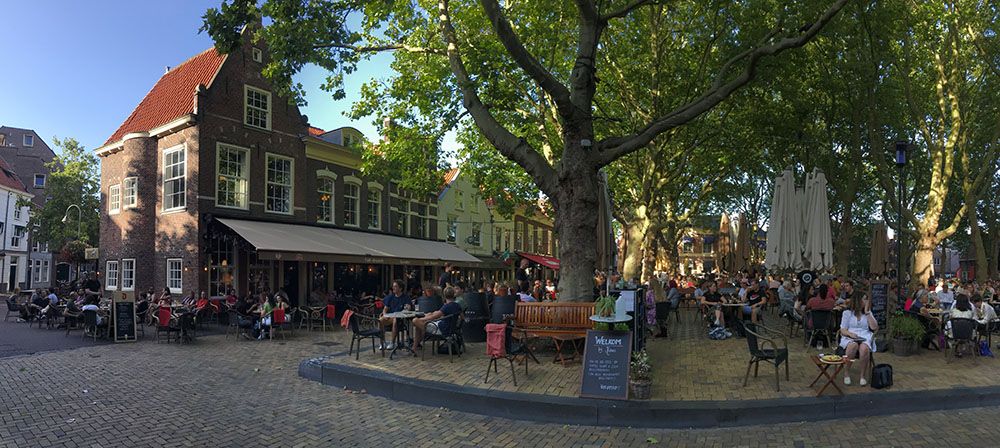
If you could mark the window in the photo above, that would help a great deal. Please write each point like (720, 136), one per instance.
(477, 230)
(351, 195)
(506, 240)
(496, 238)
(130, 187)
(452, 229)
(221, 266)
(279, 184)
(111, 275)
(325, 192)
(17, 211)
(40, 181)
(545, 241)
(232, 167)
(128, 274)
(258, 56)
(45, 271)
(174, 279)
(401, 218)
(374, 208)
(258, 108)
(114, 199)
(688, 246)
(419, 220)
(518, 236)
(459, 201)
(40, 271)
(29, 140)
(174, 176)
(15, 240)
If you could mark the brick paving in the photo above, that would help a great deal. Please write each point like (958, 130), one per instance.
(220, 392)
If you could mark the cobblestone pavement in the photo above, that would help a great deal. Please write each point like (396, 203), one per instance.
(17, 339)
(220, 392)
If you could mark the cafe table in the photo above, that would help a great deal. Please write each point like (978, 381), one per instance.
(406, 319)
(824, 372)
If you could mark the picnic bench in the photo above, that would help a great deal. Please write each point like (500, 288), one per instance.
(562, 322)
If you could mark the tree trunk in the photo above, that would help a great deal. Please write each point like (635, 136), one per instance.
(635, 236)
(845, 239)
(982, 265)
(923, 258)
(651, 249)
(669, 242)
(576, 224)
(995, 257)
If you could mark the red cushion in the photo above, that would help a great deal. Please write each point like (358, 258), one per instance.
(331, 312)
(163, 314)
(278, 316)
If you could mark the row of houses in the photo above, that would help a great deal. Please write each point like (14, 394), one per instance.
(215, 181)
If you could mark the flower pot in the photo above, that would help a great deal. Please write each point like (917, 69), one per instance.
(640, 390)
(903, 347)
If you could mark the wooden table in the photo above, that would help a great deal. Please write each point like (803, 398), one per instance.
(574, 342)
(824, 368)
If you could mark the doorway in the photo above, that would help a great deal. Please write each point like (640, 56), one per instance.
(291, 282)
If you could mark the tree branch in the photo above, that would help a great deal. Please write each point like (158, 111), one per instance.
(625, 10)
(525, 60)
(381, 48)
(511, 146)
(612, 148)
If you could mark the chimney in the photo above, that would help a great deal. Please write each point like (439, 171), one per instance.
(166, 70)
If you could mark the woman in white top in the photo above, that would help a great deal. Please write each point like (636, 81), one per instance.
(857, 333)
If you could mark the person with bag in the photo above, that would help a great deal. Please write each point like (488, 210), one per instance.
(857, 336)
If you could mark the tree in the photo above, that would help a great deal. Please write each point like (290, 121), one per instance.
(467, 58)
(73, 180)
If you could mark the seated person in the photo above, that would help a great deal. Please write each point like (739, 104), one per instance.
(821, 300)
(434, 323)
(756, 297)
(712, 301)
(857, 337)
(203, 302)
(962, 309)
(786, 302)
(393, 303)
(91, 305)
(984, 312)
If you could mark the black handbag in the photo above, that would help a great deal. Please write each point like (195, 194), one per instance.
(882, 376)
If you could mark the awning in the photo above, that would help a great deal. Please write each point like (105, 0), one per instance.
(549, 262)
(486, 262)
(278, 241)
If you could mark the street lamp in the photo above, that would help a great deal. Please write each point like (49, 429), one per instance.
(79, 219)
(901, 147)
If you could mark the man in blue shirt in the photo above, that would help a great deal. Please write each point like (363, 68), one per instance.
(434, 323)
(393, 303)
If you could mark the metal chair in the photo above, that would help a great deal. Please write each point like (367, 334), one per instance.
(278, 323)
(90, 323)
(12, 308)
(762, 342)
(503, 309)
(365, 327)
(663, 310)
(963, 334)
(821, 321)
(511, 350)
(428, 305)
(453, 338)
(164, 324)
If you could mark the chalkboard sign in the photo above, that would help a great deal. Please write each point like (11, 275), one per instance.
(123, 320)
(605, 365)
(878, 293)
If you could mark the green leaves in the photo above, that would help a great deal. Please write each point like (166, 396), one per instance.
(73, 179)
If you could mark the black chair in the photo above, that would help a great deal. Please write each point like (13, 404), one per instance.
(931, 330)
(821, 325)
(512, 350)
(453, 338)
(963, 334)
(12, 308)
(365, 327)
(763, 345)
(90, 324)
(503, 309)
(663, 310)
(428, 305)
(475, 305)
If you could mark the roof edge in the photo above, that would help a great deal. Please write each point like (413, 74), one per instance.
(163, 129)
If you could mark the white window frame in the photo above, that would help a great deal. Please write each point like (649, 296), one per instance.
(257, 55)
(244, 179)
(126, 183)
(41, 176)
(328, 206)
(167, 152)
(25, 140)
(17, 210)
(357, 203)
(111, 280)
(374, 187)
(128, 283)
(44, 271)
(477, 234)
(18, 236)
(180, 275)
(451, 229)
(290, 185)
(246, 106)
(114, 199)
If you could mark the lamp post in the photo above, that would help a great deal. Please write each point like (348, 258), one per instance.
(901, 147)
(79, 234)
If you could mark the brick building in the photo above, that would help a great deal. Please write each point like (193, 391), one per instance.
(214, 181)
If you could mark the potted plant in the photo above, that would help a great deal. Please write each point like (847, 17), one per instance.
(906, 333)
(605, 307)
(640, 376)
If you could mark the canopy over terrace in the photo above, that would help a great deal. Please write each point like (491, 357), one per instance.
(295, 242)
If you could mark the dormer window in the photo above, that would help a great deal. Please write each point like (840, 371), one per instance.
(258, 56)
(258, 108)
(39, 181)
(29, 140)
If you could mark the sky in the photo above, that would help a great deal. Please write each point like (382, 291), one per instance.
(77, 69)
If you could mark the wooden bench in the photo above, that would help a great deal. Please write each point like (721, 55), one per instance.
(563, 322)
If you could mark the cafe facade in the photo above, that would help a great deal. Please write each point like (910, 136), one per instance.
(216, 182)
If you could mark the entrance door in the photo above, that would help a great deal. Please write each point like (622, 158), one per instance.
(12, 279)
(291, 283)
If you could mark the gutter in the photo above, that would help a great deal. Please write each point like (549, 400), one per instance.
(170, 127)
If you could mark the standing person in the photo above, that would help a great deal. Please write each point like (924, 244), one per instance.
(446, 278)
(522, 275)
(857, 337)
(92, 287)
(674, 296)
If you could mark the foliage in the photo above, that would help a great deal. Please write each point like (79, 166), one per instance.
(605, 306)
(74, 251)
(640, 369)
(73, 179)
(906, 327)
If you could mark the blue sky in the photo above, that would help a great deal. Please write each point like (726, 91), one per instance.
(77, 69)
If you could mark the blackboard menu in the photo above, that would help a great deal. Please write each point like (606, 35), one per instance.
(605, 364)
(878, 293)
(123, 319)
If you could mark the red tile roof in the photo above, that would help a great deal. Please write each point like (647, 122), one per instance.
(450, 176)
(316, 132)
(173, 95)
(9, 179)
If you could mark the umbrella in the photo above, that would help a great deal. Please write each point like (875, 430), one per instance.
(818, 247)
(724, 251)
(880, 249)
(605, 238)
(784, 234)
(741, 258)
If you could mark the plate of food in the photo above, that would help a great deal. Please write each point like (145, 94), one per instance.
(831, 358)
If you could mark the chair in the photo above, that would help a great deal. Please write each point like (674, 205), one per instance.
(185, 327)
(12, 308)
(90, 323)
(476, 306)
(663, 310)
(234, 324)
(365, 327)
(503, 309)
(763, 346)
(821, 321)
(73, 321)
(278, 322)
(453, 338)
(508, 349)
(963, 334)
(428, 305)
(793, 324)
(164, 325)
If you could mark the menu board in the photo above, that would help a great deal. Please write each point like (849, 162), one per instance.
(123, 320)
(606, 364)
(878, 293)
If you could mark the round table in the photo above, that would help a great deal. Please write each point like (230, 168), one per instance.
(407, 318)
(613, 319)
